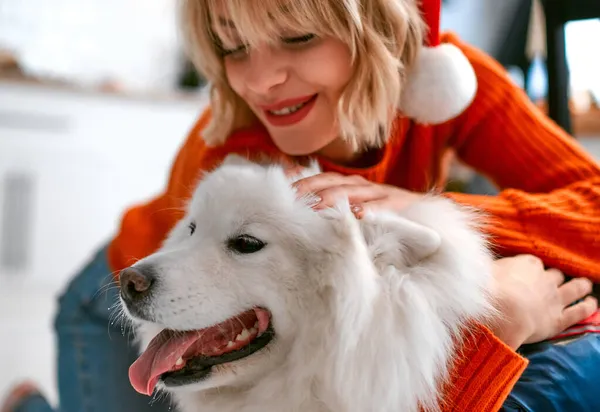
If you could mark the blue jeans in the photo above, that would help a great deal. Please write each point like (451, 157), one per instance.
(94, 358)
(559, 378)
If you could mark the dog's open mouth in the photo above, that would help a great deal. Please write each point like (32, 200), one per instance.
(180, 358)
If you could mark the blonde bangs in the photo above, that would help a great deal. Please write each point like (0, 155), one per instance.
(266, 21)
(382, 35)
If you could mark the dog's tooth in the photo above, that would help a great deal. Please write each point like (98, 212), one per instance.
(243, 336)
(255, 325)
(229, 344)
(253, 331)
(179, 362)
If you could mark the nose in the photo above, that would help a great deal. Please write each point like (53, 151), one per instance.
(267, 70)
(136, 283)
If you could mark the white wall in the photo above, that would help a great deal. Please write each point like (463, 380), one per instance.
(89, 156)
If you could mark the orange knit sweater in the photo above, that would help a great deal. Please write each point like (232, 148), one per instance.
(549, 204)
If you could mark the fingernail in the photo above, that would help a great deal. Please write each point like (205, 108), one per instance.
(315, 201)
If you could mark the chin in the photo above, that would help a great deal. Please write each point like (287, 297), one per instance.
(299, 143)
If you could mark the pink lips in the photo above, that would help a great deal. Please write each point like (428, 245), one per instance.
(290, 118)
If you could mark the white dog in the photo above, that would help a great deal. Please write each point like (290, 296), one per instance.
(257, 302)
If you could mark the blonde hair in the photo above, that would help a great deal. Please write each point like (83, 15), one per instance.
(383, 36)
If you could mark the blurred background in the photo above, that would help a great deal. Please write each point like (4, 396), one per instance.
(96, 97)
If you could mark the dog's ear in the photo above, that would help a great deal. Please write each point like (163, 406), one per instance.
(236, 160)
(300, 172)
(393, 238)
(313, 168)
(421, 240)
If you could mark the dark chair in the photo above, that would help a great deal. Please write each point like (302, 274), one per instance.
(558, 14)
(511, 50)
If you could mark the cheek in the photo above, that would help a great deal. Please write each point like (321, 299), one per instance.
(330, 68)
(234, 72)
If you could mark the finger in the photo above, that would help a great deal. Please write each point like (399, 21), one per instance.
(373, 205)
(578, 312)
(533, 260)
(558, 278)
(574, 290)
(322, 181)
(356, 194)
(381, 203)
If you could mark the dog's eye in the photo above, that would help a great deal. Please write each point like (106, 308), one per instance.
(192, 227)
(245, 244)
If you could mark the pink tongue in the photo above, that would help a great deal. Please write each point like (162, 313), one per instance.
(168, 346)
(263, 319)
(162, 353)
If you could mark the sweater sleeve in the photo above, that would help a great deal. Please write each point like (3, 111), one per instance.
(484, 372)
(549, 204)
(144, 226)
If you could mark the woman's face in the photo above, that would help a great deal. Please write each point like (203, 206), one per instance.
(293, 88)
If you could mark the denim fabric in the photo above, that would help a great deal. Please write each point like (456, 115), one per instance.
(35, 403)
(559, 378)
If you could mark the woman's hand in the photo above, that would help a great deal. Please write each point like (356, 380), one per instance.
(362, 194)
(536, 303)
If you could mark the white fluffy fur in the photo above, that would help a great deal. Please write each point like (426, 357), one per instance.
(364, 311)
(440, 85)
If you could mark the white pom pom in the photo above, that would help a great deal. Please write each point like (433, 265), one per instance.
(440, 86)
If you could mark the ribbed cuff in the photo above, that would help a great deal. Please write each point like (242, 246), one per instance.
(501, 221)
(484, 374)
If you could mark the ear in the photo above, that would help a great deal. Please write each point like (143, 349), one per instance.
(393, 239)
(312, 169)
(236, 160)
(421, 240)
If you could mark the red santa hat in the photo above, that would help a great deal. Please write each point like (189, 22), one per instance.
(442, 83)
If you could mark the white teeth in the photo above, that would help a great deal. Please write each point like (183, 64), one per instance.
(179, 362)
(256, 325)
(287, 110)
(253, 331)
(229, 344)
(243, 336)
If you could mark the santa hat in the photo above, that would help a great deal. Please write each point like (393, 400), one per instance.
(442, 83)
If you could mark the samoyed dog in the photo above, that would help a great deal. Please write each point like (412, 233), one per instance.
(258, 302)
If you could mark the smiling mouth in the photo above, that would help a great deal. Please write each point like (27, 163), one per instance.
(179, 358)
(293, 112)
(293, 108)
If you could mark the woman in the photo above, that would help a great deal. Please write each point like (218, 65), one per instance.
(352, 83)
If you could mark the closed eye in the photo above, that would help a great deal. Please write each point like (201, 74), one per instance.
(243, 49)
(236, 50)
(299, 40)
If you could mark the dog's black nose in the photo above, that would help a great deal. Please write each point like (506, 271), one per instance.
(136, 283)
